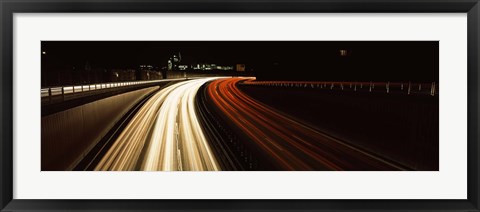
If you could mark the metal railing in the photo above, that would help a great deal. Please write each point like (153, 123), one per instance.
(71, 89)
(386, 87)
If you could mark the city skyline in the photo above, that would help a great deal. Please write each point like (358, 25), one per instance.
(316, 60)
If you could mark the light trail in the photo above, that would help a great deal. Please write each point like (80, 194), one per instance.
(164, 134)
(289, 143)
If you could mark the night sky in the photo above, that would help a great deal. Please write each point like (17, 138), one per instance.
(270, 60)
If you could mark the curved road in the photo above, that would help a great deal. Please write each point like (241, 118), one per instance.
(163, 135)
(290, 144)
(166, 134)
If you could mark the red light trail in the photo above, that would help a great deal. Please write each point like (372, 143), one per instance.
(292, 144)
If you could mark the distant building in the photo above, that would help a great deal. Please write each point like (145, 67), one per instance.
(120, 75)
(169, 65)
(240, 67)
(224, 68)
(182, 67)
(344, 52)
(173, 62)
(210, 66)
(146, 67)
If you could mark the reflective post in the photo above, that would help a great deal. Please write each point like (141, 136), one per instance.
(409, 85)
(432, 89)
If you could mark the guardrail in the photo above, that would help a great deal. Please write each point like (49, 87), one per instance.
(387, 87)
(71, 89)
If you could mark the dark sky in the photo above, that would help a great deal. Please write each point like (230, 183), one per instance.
(295, 60)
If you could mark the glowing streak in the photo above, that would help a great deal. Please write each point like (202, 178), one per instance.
(293, 145)
(167, 129)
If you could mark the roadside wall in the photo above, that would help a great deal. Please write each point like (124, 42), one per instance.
(67, 136)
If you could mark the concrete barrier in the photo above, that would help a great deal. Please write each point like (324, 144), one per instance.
(67, 136)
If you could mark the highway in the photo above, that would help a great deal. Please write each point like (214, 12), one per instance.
(288, 143)
(164, 134)
(178, 130)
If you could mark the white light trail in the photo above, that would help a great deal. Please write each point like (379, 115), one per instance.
(166, 129)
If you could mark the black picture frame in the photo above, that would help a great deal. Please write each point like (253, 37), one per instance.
(9, 7)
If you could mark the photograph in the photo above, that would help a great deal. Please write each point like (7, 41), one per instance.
(272, 105)
(239, 105)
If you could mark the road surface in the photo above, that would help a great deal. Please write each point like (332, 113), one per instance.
(163, 135)
(289, 143)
